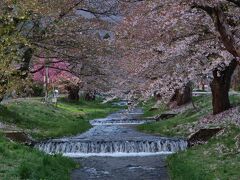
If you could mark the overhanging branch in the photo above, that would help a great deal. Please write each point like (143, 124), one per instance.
(221, 26)
(236, 2)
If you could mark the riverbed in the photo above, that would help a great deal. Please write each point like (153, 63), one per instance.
(113, 149)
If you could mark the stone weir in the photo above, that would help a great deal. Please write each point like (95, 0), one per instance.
(123, 117)
(108, 138)
(121, 146)
(126, 121)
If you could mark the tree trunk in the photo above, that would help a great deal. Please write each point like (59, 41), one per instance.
(235, 82)
(202, 85)
(73, 92)
(90, 96)
(1, 97)
(22, 72)
(183, 96)
(24, 65)
(220, 87)
(3, 91)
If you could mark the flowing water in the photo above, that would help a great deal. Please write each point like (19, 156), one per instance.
(113, 149)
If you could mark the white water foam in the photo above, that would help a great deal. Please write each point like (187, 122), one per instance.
(142, 154)
(120, 123)
(98, 122)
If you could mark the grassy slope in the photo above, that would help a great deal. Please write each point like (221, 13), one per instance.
(20, 162)
(46, 121)
(171, 127)
(148, 105)
(218, 159)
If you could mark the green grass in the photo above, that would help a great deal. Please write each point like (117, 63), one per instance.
(218, 159)
(147, 108)
(46, 121)
(21, 162)
(177, 125)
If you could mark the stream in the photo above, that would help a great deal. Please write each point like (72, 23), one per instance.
(113, 149)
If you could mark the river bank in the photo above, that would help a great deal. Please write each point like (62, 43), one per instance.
(219, 158)
(43, 122)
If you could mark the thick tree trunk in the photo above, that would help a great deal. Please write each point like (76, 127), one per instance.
(183, 96)
(22, 72)
(220, 87)
(73, 93)
(90, 96)
(24, 65)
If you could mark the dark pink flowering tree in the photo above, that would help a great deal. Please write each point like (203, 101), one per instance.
(56, 75)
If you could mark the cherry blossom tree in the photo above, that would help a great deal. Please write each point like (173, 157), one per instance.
(225, 16)
(15, 51)
(57, 29)
(168, 44)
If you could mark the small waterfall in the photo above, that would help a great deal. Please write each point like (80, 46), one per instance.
(115, 139)
(112, 121)
(110, 147)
